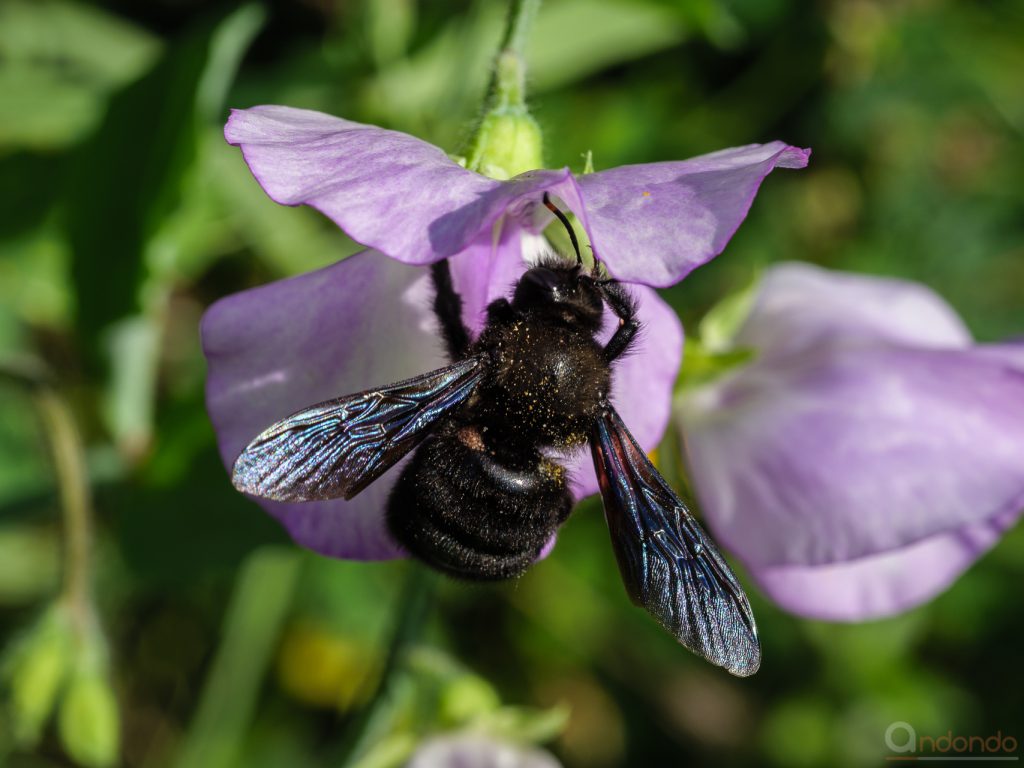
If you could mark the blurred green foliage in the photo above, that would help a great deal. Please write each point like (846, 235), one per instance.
(124, 214)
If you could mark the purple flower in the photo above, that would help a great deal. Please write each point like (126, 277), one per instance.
(869, 454)
(470, 750)
(366, 320)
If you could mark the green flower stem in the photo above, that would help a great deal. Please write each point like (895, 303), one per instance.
(412, 613)
(507, 140)
(520, 19)
(76, 502)
(65, 445)
(259, 605)
(508, 85)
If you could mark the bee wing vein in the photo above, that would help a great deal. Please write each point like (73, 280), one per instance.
(669, 565)
(338, 447)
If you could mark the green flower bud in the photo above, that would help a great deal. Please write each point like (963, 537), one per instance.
(509, 143)
(466, 697)
(35, 672)
(525, 725)
(88, 721)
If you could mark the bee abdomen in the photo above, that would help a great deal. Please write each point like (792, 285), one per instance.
(460, 510)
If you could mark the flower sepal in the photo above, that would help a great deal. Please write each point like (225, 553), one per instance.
(712, 353)
(508, 143)
(704, 364)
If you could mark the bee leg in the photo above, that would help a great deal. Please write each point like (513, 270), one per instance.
(448, 308)
(624, 307)
(500, 311)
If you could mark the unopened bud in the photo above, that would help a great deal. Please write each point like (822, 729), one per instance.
(35, 672)
(88, 720)
(466, 697)
(509, 142)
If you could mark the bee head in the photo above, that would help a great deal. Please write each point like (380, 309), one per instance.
(561, 288)
(564, 289)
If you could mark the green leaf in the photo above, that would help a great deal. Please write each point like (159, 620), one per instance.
(227, 46)
(133, 348)
(58, 62)
(25, 469)
(140, 156)
(42, 111)
(259, 604)
(720, 325)
(448, 75)
(389, 28)
(575, 38)
(80, 38)
(29, 186)
(701, 365)
(157, 526)
(570, 40)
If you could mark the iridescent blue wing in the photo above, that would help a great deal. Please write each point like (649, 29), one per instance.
(668, 564)
(338, 447)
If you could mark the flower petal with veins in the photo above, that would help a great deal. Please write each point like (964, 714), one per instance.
(367, 321)
(869, 443)
(281, 347)
(650, 224)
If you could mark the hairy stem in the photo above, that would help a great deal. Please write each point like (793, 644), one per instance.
(520, 18)
(508, 83)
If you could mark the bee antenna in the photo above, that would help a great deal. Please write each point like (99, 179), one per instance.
(568, 227)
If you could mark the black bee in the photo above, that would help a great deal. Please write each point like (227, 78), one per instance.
(481, 495)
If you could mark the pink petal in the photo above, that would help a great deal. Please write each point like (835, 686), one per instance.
(273, 350)
(884, 584)
(800, 306)
(387, 190)
(655, 223)
(850, 452)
